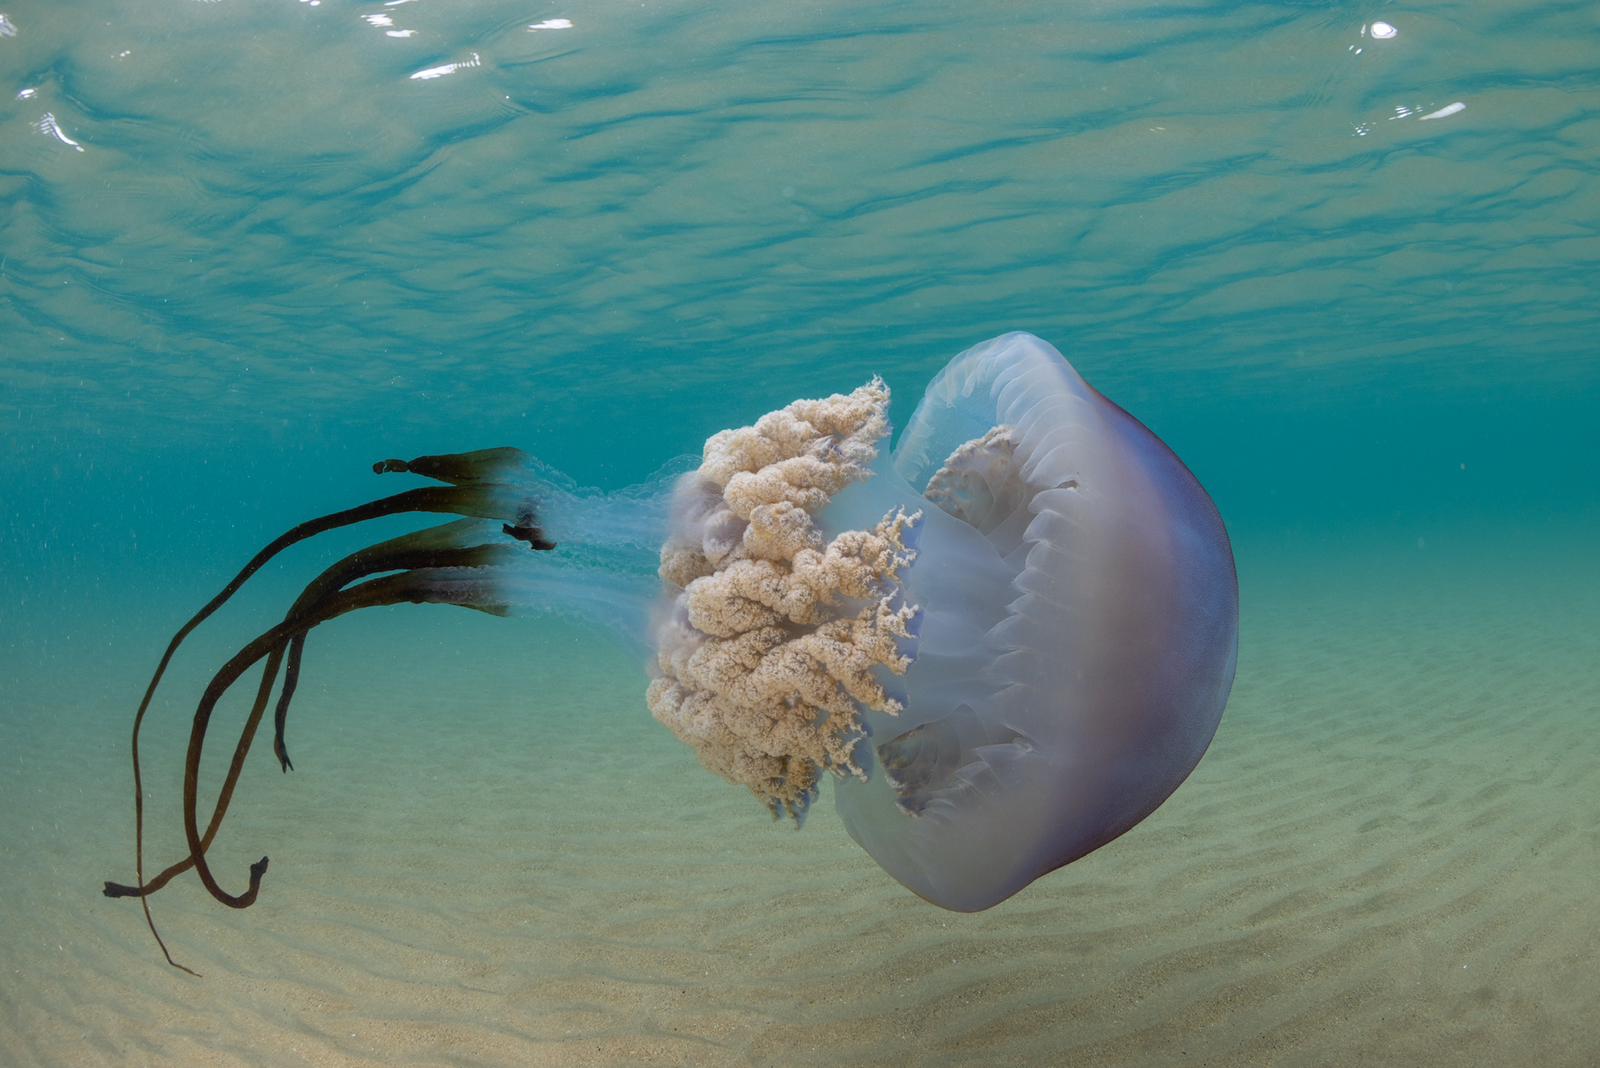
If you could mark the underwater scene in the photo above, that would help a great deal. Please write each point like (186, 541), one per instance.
(1015, 533)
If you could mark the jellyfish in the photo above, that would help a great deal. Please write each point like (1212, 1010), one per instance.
(1007, 640)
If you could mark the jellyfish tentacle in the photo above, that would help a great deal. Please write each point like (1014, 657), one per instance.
(484, 501)
(280, 716)
(138, 834)
(473, 469)
(434, 547)
(423, 585)
(459, 468)
(464, 498)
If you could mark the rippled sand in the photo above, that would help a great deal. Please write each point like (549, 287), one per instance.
(1389, 856)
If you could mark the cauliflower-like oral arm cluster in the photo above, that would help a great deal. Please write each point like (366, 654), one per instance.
(768, 652)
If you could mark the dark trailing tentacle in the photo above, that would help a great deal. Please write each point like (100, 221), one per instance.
(527, 530)
(427, 548)
(474, 492)
(291, 679)
(472, 469)
(459, 468)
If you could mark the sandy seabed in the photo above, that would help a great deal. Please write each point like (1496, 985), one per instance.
(488, 855)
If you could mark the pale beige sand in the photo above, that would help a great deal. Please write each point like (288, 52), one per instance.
(1391, 855)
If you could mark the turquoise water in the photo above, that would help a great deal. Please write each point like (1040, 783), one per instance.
(1343, 258)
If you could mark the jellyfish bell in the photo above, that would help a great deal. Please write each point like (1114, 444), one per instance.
(1008, 639)
(1049, 714)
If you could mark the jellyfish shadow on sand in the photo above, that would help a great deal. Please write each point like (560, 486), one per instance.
(1008, 640)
